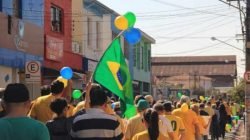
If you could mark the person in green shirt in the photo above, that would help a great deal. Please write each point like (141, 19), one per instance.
(16, 125)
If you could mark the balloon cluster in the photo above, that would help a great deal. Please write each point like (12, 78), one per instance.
(126, 22)
(66, 74)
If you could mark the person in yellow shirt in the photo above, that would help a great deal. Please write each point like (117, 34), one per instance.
(165, 126)
(209, 109)
(40, 109)
(176, 122)
(189, 119)
(151, 121)
(135, 124)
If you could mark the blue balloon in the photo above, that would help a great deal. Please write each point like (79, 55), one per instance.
(132, 35)
(66, 73)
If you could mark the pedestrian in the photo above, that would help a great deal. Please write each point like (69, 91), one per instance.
(151, 121)
(176, 122)
(223, 120)
(2, 109)
(215, 127)
(60, 126)
(150, 100)
(15, 125)
(164, 124)
(135, 124)
(41, 110)
(95, 123)
(189, 118)
(208, 109)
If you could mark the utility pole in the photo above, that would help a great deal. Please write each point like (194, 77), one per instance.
(247, 91)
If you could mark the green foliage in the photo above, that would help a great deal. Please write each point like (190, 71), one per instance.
(238, 92)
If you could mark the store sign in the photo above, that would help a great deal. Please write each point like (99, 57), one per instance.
(33, 72)
(54, 48)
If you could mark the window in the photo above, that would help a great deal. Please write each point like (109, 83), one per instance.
(88, 29)
(1, 5)
(138, 56)
(149, 59)
(134, 56)
(17, 8)
(145, 87)
(145, 57)
(56, 19)
(98, 38)
(142, 57)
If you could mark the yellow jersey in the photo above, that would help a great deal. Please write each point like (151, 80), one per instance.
(41, 108)
(79, 106)
(145, 136)
(135, 125)
(177, 125)
(189, 119)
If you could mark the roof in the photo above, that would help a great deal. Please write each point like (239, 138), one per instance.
(200, 65)
(224, 58)
(186, 77)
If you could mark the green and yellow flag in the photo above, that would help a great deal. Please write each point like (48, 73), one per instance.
(112, 73)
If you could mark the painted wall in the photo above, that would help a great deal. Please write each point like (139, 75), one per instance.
(77, 23)
(32, 10)
(97, 35)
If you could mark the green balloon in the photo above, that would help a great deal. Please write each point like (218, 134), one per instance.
(179, 94)
(131, 18)
(76, 94)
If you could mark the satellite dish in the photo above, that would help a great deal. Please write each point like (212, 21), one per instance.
(21, 28)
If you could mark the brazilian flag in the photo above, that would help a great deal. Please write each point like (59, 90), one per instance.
(112, 73)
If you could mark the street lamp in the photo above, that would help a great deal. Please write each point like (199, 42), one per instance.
(214, 38)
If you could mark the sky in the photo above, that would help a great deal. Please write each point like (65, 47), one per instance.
(185, 27)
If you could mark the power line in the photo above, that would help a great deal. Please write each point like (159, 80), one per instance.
(194, 50)
(198, 31)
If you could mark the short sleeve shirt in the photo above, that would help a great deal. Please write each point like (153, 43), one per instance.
(22, 128)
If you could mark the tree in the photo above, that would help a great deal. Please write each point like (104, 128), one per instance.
(238, 92)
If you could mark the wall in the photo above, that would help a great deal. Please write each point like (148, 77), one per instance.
(32, 10)
(77, 23)
(16, 49)
(97, 37)
(7, 76)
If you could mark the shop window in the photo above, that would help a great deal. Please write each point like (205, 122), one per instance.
(56, 19)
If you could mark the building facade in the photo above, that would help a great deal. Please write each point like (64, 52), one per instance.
(140, 61)
(16, 45)
(222, 70)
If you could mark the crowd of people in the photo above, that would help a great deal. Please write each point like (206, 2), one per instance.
(54, 116)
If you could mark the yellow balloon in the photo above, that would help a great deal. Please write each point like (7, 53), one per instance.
(64, 81)
(184, 107)
(202, 98)
(121, 23)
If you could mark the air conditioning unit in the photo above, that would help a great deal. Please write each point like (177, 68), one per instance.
(75, 47)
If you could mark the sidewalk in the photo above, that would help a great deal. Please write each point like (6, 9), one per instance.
(238, 133)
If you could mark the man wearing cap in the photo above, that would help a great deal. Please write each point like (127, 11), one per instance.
(135, 124)
(15, 125)
(41, 110)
